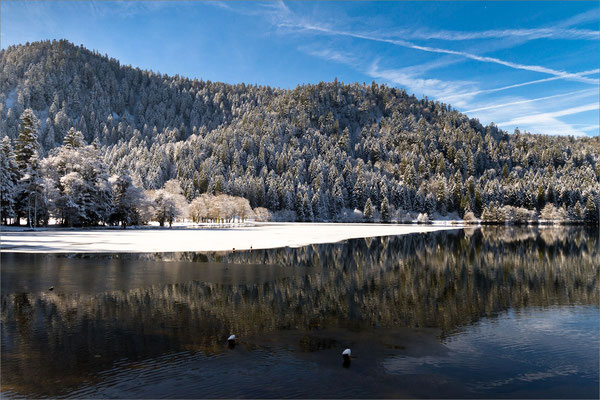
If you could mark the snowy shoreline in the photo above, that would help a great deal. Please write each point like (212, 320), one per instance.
(185, 238)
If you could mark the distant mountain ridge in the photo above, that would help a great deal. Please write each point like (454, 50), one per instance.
(314, 150)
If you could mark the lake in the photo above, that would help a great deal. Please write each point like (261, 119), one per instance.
(493, 312)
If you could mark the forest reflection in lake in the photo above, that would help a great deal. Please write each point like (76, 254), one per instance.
(491, 312)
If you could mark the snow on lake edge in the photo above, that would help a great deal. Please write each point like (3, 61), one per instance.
(243, 237)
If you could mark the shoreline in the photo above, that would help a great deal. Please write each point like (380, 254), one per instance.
(263, 235)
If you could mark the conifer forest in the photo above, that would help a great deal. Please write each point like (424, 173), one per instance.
(88, 141)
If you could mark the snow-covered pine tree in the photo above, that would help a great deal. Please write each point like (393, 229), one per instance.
(32, 202)
(30, 198)
(307, 208)
(9, 178)
(338, 197)
(368, 211)
(26, 145)
(73, 139)
(385, 210)
(590, 213)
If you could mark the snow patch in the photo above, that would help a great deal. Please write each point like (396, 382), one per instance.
(151, 239)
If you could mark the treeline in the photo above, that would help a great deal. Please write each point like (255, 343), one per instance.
(73, 186)
(317, 152)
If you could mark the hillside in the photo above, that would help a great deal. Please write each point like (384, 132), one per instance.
(315, 150)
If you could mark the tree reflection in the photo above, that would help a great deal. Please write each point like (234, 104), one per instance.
(444, 280)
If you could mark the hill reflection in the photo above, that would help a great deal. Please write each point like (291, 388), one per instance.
(444, 280)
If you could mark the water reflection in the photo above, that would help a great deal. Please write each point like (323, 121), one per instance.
(389, 298)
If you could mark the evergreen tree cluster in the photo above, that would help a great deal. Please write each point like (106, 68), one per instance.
(70, 184)
(316, 151)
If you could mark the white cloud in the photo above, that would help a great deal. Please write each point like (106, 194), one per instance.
(549, 122)
(330, 55)
(274, 11)
(220, 4)
(439, 89)
(589, 128)
(547, 126)
(543, 116)
(586, 16)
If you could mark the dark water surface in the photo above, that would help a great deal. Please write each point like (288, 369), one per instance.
(492, 312)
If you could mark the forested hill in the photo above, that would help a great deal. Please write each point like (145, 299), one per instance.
(315, 150)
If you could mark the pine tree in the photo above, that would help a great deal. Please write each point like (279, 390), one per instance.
(272, 198)
(49, 136)
(359, 192)
(317, 207)
(368, 211)
(430, 205)
(477, 202)
(590, 213)
(307, 208)
(338, 198)
(30, 201)
(31, 195)
(8, 180)
(74, 139)
(541, 198)
(344, 142)
(577, 212)
(27, 145)
(299, 207)
(385, 210)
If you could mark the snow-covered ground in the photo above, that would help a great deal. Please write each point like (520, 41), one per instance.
(186, 238)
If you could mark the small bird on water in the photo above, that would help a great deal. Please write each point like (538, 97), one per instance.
(51, 288)
(347, 354)
(231, 341)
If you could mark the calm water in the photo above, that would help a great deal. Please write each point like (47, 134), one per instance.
(493, 312)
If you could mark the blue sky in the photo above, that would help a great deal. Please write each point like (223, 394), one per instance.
(528, 64)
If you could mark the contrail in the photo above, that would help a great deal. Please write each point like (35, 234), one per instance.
(554, 78)
(531, 100)
(406, 44)
(542, 116)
